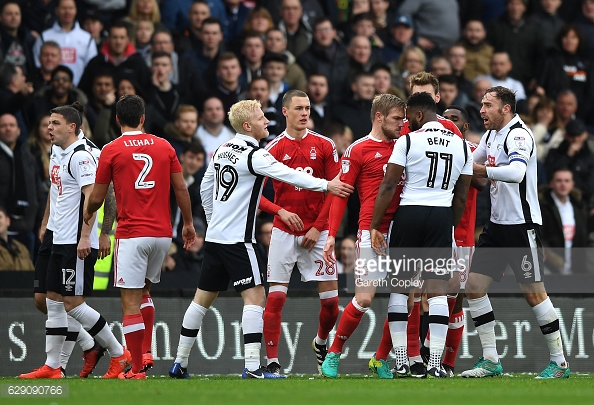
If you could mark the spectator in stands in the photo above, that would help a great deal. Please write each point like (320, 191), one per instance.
(263, 236)
(38, 15)
(227, 87)
(180, 133)
(317, 90)
(354, 111)
(383, 16)
(275, 42)
(162, 41)
(520, 39)
(401, 37)
(175, 13)
(412, 61)
(50, 57)
(212, 132)
(236, 16)
(450, 94)
(39, 144)
(16, 41)
(341, 135)
(327, 56)
(259, 89)
(436, 21)
(501, 68)
(274, 69)
(473, 108)
(296, 27)
(478, 50)
(189, 38)
(259, 21)
(548, 21)
(546, 128)
(77, 45)
(456, 55)
(94, 26)
(439, 66)
(145, 10)
(100, 107)
(118, 56)
(15, 93)
(21, 192)
(361, 55)
(143, 31)
(346, 255)
(252, 51)
(13, 254)
(564, 224)
(191, 260)
(383, 81)
(567, 106)
(363, 24)
(585, 22)
(355, 7)
(566, 67)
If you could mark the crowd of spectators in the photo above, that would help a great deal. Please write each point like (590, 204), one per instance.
(192, 59)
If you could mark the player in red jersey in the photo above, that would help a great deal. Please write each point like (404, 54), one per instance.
(301, 242)
(364, 164)
(142, 168)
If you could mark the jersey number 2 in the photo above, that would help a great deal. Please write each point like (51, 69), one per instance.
(148, 165)
(448, 158)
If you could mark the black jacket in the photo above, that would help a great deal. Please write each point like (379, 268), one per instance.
(581, 165)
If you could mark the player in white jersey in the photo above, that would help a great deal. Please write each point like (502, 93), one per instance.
(438, 168)
(231, 191)
(71, 266)
(507, 156)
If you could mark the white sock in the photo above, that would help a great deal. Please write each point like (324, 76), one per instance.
(484, 322)
(56, 328)
(97, 327)
(190, 325)
(252, 324)
(84, 340)
(397, 322)
(547, 319)
(438, 328)
(74, 329)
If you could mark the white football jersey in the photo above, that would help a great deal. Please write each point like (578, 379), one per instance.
(512, 203)
(433, 158)
(70, 170)
(232, 187)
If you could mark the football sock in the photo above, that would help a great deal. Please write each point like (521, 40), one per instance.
(397, 321)
(438, 326)
(95, 324)
(84, 340)
(453, 338)
(328, 315)
(277, 295)
(190, 325)
(451, 302)
(547, 319)
(350, 319)
(413, 346)
(56, 329)
(134, 334)
(252, 324)
(385, 345)
(424, 327)
(147, 309)
(74, 329)
(484, 322)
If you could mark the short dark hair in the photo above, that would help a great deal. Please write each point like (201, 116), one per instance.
(160, 54)
(288, 97)
(120, 24)
(213, 20)
(506, 96)
(448, 79)
(421, 101)
(194, 147)
(322, 19)
(561, 169)
(463, 111)
(7, 72)
(3, 210)
(73, 114)
(63, 69)
(362, 17)
(129, 110)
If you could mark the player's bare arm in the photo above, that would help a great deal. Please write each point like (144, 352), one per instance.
(84, 243)
(94, 201)
(382, 202)
(479, 171)
(460, 195)
(479, 183)
(109, 215)
(45, 218)
(185, 207)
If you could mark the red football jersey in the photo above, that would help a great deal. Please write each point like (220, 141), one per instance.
(443, 121)
(140, 166)
(315, 155)
(364, 165)
(464, 232)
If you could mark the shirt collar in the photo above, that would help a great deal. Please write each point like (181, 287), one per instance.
(132, 133)
(247, 139)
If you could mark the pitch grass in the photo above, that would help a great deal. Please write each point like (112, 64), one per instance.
(315, 390)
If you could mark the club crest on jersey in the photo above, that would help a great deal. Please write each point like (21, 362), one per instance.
(312, 153)
(346, 165)
(84, 165)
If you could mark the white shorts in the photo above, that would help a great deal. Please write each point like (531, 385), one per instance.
(137, 259)
(364, 253)
(463, 256)
(285, 251)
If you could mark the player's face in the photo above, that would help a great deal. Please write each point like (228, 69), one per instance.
(456, 117)
(492, 112)
(259, 123)
(393, 122)
(59, 129)
(414, 118)
(297, 113)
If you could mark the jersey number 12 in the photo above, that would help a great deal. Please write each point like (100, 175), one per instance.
(448, 158)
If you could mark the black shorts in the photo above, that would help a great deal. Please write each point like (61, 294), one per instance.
(424, 233)
(518, 246)
(43, 257)
(68, 275)
(238, 263)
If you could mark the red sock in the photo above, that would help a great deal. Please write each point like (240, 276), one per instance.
(350, 319)
(134, 334)
(385, 344)
(272, 322)
(328, 314)
(147, 309)
(453, 338)
(412, 331)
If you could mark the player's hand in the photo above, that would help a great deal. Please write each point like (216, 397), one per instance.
(104, 246)
(87, 217)
(84, 247)
(291, 219)
(329, 253)
(42, 232)
(338, 188)
(188, 235)
(378, 242)
(310, 239)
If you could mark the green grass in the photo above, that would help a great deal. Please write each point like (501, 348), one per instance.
(315, 390)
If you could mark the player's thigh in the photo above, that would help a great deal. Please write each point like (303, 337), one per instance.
(76, 274)
(282, 256)
(489, 257)
(42, 262)
(213, 275)
(156, 257)
(463, 259)
(131, 262)
(368, 264)
(526, 255)
(242, 265)
(311, 264)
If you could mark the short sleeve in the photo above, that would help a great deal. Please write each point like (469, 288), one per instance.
(103, 175)
(398, 156)
(175, 166)
(83, 168)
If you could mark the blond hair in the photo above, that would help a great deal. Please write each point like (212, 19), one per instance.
(155, 14)
(383, 103)
(424, 78)
(241, 112)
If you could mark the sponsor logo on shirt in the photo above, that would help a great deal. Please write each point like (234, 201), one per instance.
(346, 165)
(68, 55)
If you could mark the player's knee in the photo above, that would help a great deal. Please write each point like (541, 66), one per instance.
(364, 301)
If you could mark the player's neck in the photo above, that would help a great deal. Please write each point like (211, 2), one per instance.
(506, 120)
(130, 129)
(296, 133)
(378, 134)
